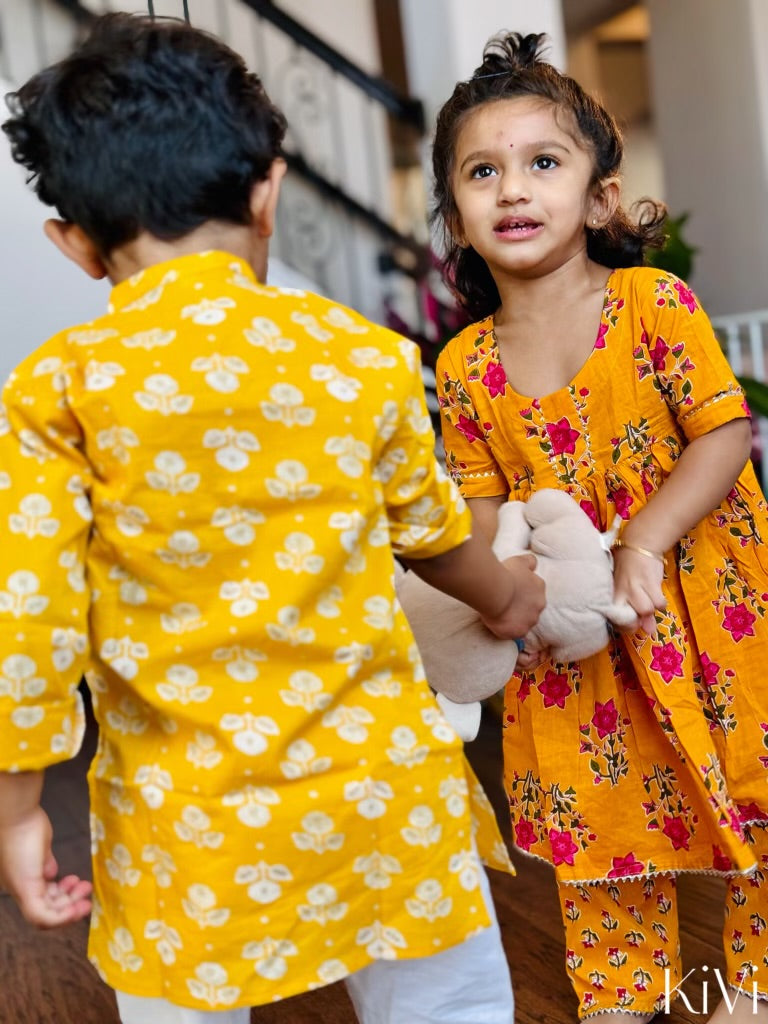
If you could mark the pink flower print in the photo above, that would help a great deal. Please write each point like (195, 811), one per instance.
(675, 830)
(667, 661)
(586, 505)
(719, 860)
(584, 392)
(738, 621)
(647, 484)
(563, 847)
(709, 670)
(605, 718)
(659, 354)
(625, 866)
(469, 428)
(563, 437)
(623, 501)
(495, 379)
(554, 688)
(686, 296)
(751, 812)
(600, 339)
(525, 835)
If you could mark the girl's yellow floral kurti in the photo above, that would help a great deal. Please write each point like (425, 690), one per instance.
(650, 756)
(200, 494)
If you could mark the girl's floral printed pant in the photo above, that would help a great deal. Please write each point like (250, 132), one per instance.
(623, 945)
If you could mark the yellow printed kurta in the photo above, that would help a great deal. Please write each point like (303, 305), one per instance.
(200, 495)
(651, 755)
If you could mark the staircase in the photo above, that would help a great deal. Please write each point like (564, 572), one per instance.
(336, 223)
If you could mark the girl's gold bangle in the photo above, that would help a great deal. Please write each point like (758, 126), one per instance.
(619, 543)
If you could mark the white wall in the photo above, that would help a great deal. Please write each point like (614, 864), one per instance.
(708, 74)
(40, 291)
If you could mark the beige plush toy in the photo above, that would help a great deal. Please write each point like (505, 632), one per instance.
(464, 662)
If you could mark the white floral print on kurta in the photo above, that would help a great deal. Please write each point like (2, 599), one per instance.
(259, 698)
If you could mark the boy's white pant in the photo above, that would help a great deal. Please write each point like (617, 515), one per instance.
(466, 984)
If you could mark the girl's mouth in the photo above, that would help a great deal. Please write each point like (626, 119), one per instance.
(517, 228)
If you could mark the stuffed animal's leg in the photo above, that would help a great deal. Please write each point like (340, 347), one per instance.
(463, 718)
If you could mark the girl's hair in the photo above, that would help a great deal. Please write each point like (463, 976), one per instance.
(512, 67)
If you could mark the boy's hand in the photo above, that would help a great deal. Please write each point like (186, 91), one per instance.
(525, 603)
(28, 870)
(637, 580)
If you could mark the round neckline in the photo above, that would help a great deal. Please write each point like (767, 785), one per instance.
(572, 382)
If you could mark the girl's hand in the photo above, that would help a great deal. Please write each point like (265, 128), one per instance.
(526, 603)
(28, 870)
(527, 661)
(637, 580)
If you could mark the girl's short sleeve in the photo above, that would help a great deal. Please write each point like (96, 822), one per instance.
(468, 456)
(680, 347)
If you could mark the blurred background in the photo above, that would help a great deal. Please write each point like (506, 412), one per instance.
(361, 82)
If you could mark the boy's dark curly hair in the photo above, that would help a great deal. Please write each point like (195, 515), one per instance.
(149, 125)
(512, 66)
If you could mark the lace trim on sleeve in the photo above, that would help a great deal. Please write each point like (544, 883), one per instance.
(732, 391)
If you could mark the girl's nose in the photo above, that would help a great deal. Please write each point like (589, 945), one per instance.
(513, 188)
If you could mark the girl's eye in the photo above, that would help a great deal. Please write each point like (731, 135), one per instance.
(545, 163)
(482, 171)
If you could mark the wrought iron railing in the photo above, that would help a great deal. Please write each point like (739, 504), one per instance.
(336, 223)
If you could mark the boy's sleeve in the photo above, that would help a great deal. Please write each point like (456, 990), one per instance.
(468, 455)
(45, 517)
(680, 348)
(426, 513)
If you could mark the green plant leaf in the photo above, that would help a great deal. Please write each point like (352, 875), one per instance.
(757, 395)
(676, 255)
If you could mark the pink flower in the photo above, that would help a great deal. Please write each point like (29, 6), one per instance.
(686, 296)
(554, 688)
(469, 428)
(738, 621)
(667, 661)
(563, 847)
(600, 339)
(751, 812)
(709, 670)
(586, 505)
(623, 501)
(659, 354)
(605, 718)
(525, 835)
(563, 437)
(624, 866)
(675, 830)
(495, 379)
(719, 860)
